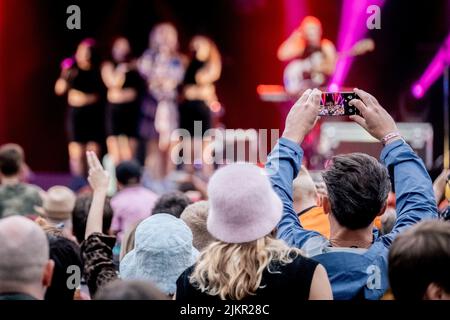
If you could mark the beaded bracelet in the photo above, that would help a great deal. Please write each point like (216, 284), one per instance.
(390, 136)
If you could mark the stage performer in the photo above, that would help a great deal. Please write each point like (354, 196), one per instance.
(199, 94)
(163, 68)
(312, 58)
(125, 86)
(80, 79)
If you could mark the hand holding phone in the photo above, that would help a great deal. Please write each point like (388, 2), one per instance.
(374, 118)
(337, 104)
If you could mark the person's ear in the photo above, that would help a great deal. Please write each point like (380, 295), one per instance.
(48, 273)
(319, 201)
(435, 292)
(325, 202)
(382, 209)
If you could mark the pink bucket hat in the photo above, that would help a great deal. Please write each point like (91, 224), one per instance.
(243, 205)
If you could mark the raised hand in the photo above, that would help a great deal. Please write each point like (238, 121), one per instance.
(439, 185)
(374, 118)
(98, 178)
(303, 116)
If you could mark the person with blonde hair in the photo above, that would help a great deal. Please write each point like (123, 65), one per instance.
(247, 262)
(163, 68)
(128, 240)
(195, 216)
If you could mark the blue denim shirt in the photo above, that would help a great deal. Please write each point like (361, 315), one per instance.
(354, 273)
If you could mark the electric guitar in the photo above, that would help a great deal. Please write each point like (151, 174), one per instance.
(301, 74)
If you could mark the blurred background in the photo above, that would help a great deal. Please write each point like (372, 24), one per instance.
(34, 39)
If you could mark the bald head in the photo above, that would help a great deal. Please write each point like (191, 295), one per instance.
(24, 253)
(304, 191)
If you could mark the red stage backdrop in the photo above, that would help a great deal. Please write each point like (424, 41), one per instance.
(34, 39)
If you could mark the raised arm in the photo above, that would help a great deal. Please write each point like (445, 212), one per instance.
(292, 47)
(413, 187)
(62, 84)
(412, 184)
(439, 185)
(96, 249)
(284, 163)
(99, 181)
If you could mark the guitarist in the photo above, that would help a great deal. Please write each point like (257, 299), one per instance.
(306, 43)
(316, 58)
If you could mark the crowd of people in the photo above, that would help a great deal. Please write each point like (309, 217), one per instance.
(369, 230)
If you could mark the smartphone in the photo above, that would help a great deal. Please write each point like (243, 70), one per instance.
(337, 104)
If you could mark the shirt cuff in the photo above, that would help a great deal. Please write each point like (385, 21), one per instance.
(291, 145)
(389, 147)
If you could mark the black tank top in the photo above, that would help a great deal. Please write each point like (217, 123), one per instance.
(194, 66)
(133, 79)
(309, 50)
(87, 81)
(291, 281)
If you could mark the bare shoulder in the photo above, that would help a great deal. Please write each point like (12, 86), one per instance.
(327, 44)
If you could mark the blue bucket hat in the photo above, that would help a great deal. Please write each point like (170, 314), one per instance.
(163, 250)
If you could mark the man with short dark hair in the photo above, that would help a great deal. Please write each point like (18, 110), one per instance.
(80, 214)
(419, 262)
(66, 256)
(172, 203)
(355, 256)
(362, 180)
(16, 197)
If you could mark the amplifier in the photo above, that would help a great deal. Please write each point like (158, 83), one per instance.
(347, 137)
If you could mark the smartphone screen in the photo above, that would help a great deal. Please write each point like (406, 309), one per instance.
(337, 104)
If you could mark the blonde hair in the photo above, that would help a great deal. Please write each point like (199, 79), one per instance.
(234, 271)
(195, 216)
(128, 240)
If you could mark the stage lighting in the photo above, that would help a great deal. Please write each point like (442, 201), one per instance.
(334, 87)
(417, 91)
(433, 71)
(352, 29)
